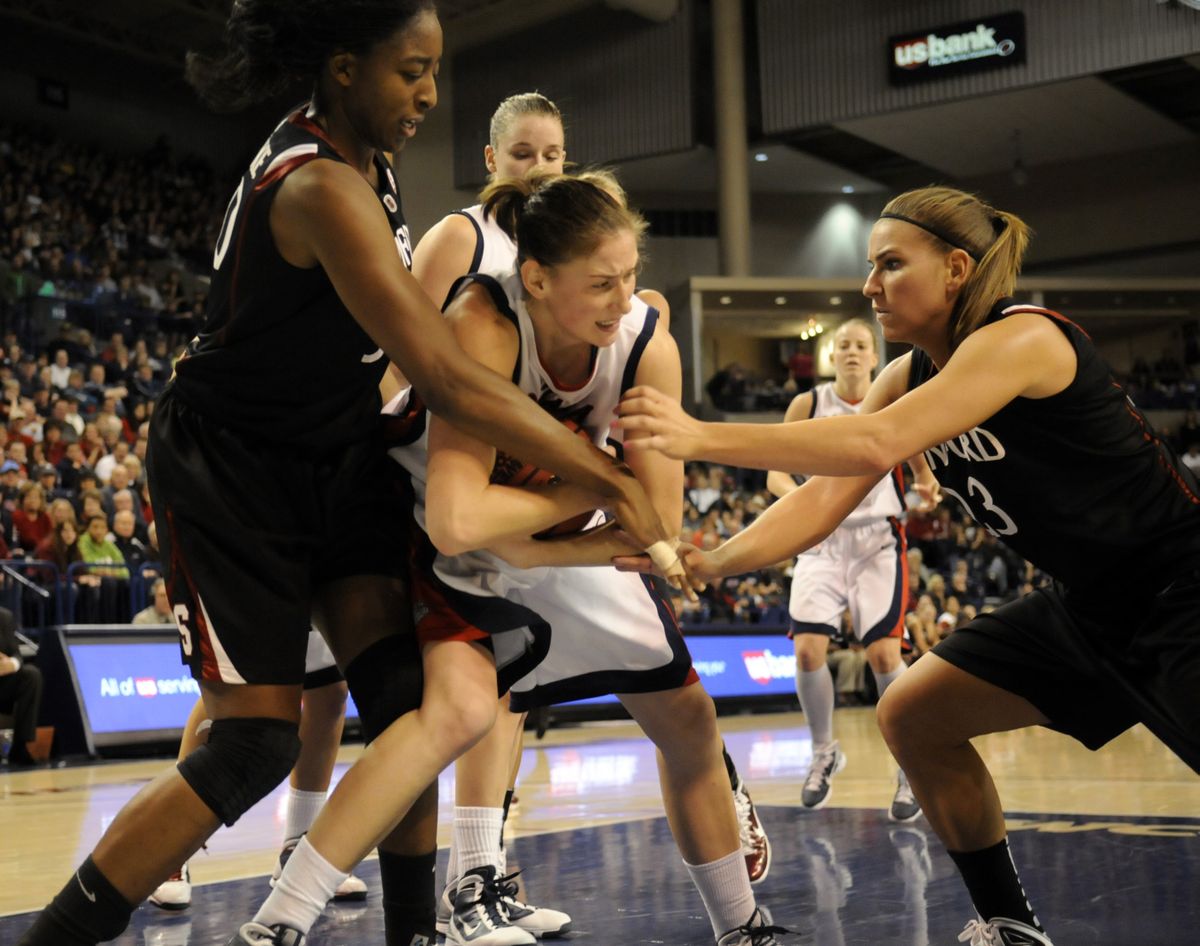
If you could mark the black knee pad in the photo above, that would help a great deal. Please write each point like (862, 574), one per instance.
(243, 760)
(386, 681)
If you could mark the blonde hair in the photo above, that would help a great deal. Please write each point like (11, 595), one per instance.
(861, 323)
(995, 239)
(515, 107)
(555, 218)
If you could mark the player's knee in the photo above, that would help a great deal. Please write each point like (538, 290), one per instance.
(386, 681)
(900, 715)
(463, 717)
(811, 651)
(243, 760)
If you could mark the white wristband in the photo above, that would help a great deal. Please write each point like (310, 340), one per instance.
(662, 553)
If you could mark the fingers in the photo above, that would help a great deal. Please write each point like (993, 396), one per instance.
(634, 563)
(667, 562)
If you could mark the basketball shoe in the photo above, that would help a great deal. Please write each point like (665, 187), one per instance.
(350, 889)
(1001, 931)
(540, 921)
(905, 806)
(827, 761)
(757, 931)
(756, 846)
(478, 916)
(255, 934)
(174, 893)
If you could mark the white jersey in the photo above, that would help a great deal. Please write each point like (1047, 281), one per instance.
(589, 407)
(495, 250)
(886, 500)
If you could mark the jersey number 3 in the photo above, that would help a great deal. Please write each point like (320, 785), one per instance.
(998, 522)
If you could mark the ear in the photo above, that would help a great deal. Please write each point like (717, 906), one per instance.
(341, 68)
(958, 268)
(535, 278)
(489, 159)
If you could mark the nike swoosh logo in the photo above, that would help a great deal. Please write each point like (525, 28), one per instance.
(87, 893)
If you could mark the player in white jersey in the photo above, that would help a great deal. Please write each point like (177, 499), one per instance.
(861, 567)
(322, 718)
(567, 329)
(526, 133)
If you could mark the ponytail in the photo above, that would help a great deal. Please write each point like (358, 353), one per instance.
(995, 239)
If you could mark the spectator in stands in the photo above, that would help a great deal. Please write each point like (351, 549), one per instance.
(10, 483)
(61, 510)
(60, 371)
(132, 548)
(20, 691)
(31, 522)
(119, 450)
(159, 609)
(96, 547)
(61, 546)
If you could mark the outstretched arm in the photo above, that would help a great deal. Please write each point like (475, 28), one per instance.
(778, 482)
(326, 214)
(1020, 356)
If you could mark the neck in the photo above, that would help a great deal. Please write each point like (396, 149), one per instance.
(566, 358)
(852, 389)
(349, 145)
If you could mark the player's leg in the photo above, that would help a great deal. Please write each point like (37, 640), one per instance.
(682, 723)
(175, 893)
(415, 735)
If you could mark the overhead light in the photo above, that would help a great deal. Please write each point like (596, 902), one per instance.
(804, 336)
(820, 328)
(781, 300)
(835, 300)
(725, 300)
(761, 156)
(847, 188)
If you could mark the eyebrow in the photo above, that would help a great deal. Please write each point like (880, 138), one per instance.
(883, 252)
(423, 60)
(526, 144)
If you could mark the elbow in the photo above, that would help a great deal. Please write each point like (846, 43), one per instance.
(450, 532)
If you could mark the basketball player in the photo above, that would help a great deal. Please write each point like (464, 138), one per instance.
(1022, 422)
(526, 133)
(322, 718)
(565, 324)
(268, 477)
(862, 567)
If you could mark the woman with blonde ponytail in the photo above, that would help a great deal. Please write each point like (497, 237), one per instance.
(1021, 422)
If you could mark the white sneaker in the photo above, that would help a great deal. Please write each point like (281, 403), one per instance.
(1001, 931)
(827, 761)
(349, 890)
(756, 846)
(540, 921)
(174, 893)
(905, 806)
(479, 917)
(757, 931)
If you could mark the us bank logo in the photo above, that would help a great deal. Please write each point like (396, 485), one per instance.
(957, 48)
(763, 666)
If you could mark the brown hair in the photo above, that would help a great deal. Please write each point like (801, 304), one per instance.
(995, 239)
(555, 218)
(862, 323)
(513, 107)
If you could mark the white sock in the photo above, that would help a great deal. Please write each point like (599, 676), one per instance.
(885, 680)
(815, 689)
(724, 887)
(307, 883)
(477, 837)
(302, 811)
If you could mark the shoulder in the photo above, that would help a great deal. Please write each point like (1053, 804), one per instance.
(474, 310)
(322, 184)
(801, 407)
(656, 300)
(455, 230)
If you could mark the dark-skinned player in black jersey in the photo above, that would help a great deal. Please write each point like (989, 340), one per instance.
(1022, 422)
(268, 477)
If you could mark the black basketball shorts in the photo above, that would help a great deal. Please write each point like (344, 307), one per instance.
(249, 529)
(1095, 678)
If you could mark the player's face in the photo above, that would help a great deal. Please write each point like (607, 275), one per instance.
(532, 141)
(389, 90)
(588, 296)
(907, 283)
(854, 351)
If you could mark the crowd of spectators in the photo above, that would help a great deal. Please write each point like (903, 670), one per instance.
(735, 390)
(121, 240)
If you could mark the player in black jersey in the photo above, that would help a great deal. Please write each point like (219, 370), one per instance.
(268, 475)
(1022, 422)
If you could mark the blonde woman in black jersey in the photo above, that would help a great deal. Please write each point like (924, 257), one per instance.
(1022, 422)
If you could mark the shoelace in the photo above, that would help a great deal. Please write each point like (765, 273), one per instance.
(762, 935)
(978, 933)
(490, 902)
(822, 767)
(741, 802)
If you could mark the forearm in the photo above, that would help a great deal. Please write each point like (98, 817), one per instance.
(461, 523)
(779, 484)
(593, 548)
(851, 445)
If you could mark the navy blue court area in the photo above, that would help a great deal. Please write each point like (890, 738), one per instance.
(840, 877)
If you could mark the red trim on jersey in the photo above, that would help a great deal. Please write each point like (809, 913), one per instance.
(208, 657)
(1041, 310)
(1150, 438)
(283, 170)
(568, 387)
(898, 630)
(301, 120)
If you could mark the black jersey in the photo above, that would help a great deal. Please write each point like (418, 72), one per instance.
(279, 355)
(1077, 483)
